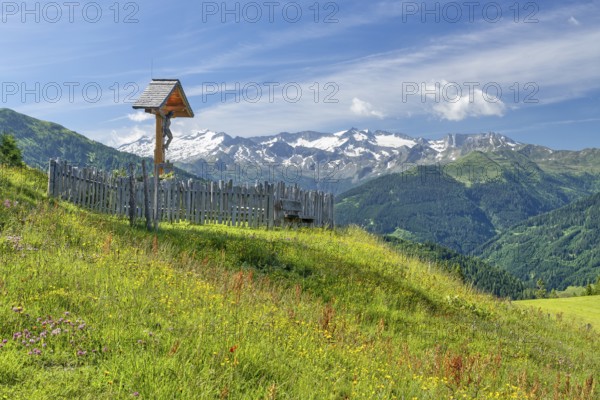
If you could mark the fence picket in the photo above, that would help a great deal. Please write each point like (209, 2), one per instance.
(248, 205)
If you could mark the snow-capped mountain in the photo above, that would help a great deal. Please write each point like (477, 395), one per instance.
(313, 158)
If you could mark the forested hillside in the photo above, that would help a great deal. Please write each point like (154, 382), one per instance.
(560, 247)
(40, 141)
(463, 204)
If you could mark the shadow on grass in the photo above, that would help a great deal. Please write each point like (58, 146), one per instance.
(325, 273)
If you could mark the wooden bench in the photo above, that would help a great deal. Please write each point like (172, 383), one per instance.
(292, 212)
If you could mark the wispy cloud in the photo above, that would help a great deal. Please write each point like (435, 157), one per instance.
(140, 116)
(364, 109)
(527, 63)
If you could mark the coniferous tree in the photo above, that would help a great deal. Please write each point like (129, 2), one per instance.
(540, 293)
(10, 154)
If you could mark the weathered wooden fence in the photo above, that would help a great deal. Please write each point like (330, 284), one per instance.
(193, 201)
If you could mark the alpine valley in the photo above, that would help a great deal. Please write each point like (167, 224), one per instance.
(461, 191)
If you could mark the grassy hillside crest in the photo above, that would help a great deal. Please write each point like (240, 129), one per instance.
(93, 308)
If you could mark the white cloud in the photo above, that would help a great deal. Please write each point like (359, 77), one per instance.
(463, 108)
(455, 103)
(364, 109)
(574, 21)
(140, 116)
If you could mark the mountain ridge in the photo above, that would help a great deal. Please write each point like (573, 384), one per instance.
(350, 156)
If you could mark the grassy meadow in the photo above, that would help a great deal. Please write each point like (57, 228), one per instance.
(581, 310)
(91, 308)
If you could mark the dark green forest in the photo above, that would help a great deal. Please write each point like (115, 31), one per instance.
(560, 247)
(464, 204)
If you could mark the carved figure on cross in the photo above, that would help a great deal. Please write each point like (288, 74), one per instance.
(167, 135)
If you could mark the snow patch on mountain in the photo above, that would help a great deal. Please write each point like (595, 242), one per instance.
(393, 141)
(329, 143)
(438, 145)
(360, 136)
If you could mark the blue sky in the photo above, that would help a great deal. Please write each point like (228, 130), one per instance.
(529, 69)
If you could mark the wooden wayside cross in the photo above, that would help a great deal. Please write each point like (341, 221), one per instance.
(165, 99)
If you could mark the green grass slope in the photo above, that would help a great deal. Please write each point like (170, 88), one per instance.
(94, 309)
(584, 309)
(471, 270)
(560, 247)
